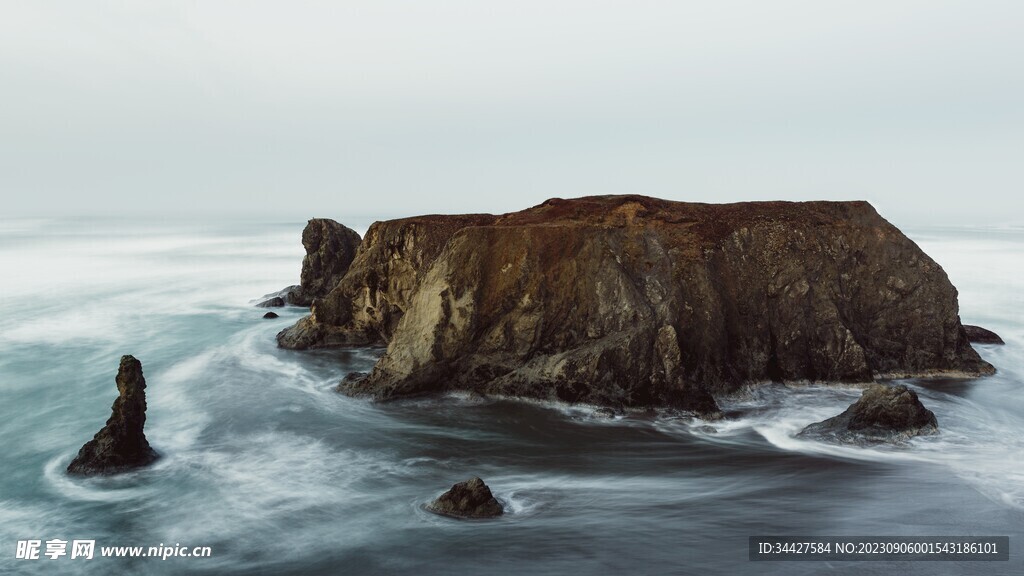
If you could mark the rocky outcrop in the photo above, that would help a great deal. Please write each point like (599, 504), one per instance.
(270, 315)
(330, 249)
(364, 308)
(469, 499)
(273, 302)
(629, 301)
(980, 335)
(882, 414)
(121, 445)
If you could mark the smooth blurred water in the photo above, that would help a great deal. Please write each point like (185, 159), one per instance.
(266, 464)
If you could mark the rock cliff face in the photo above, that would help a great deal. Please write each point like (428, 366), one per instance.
(330, 249)
(635, 301)
(364, 307)
(121, 445)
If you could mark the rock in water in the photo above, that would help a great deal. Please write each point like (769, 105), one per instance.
(275, 302)
(121, 445)
(270, 315)
(882, 414)
(637, 302)
(330, 249)
(980, 335)
(469, 499)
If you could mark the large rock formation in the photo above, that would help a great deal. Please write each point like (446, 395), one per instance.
(330, 249)
(882, 414)
(635, 301)
(469, 499)
(121, 445)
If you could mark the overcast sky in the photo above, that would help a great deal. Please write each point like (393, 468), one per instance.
(381, 108)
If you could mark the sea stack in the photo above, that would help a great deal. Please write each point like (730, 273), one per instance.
(631, 301)
(882, 414)
(330, 249)
(121, 445)
(469, 499)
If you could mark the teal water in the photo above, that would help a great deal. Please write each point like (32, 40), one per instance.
(264, 463)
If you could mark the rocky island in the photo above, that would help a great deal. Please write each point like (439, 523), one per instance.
(631, 301)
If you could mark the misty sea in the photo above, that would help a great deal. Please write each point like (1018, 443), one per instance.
(263, 462)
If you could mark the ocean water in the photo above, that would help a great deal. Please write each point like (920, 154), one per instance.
(265, 464)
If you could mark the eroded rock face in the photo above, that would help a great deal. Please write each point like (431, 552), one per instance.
(469, 499)
(121, 445)
(882, 414)
(980, 335)
(330, 249)
(364, 308)
(629, 301)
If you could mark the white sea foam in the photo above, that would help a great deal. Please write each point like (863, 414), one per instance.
(119, 488)
(974, 443)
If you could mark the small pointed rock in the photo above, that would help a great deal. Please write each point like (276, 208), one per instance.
(469, 499)
(121, 445)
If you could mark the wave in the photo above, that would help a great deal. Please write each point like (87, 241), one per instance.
(976, 443)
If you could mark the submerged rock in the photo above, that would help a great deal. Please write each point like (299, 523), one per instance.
(121, 445)
(980, 335)
(275, 302)
(270, 315)
(636, 302)
(882, 414)
(469, 499)
(330, 249)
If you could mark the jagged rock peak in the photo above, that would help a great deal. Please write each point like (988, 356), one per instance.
(121, 445)
(330, 249)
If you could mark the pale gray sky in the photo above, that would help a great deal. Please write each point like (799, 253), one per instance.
(384, 107)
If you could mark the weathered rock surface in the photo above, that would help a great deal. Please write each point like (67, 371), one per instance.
(469, 499)
(882, 414)
(980, 335)
(121, 445)
(270, 315)
(330, 249)
(630, 301)
(365, 306)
